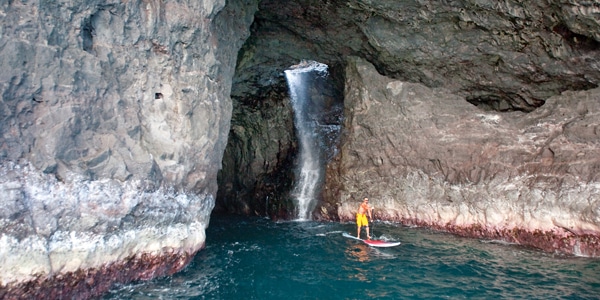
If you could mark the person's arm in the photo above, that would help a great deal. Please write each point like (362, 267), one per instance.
(370, 212)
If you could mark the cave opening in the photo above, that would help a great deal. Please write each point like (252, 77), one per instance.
(259, 173)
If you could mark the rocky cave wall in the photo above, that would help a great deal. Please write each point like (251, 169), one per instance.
(492, 61)
(427, 157)
(113, 118)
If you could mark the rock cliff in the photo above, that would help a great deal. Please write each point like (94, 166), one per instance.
(114, 118)
(428, 157)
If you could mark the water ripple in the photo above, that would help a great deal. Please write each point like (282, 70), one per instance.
(259, 259)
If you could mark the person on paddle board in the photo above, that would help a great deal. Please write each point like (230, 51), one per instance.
(361, 217)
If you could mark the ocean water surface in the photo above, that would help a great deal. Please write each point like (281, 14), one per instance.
(255, 258)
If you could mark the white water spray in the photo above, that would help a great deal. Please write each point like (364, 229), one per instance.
(298, 79)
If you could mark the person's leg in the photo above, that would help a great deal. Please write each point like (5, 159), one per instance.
(368, 235)
(358, 231)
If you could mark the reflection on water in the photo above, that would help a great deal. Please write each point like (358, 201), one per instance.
(359, 251)
(259, 259)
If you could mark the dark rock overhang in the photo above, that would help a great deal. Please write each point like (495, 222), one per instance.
(499, 56)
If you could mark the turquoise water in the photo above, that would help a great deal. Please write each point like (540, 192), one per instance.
(252, 258)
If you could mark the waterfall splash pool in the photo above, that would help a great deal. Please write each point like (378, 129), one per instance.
(255, 258)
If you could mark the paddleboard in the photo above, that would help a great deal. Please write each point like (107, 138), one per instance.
(373, 243)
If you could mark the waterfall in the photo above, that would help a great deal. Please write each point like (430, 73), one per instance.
(300, 79)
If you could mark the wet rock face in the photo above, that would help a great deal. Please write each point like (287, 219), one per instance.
(113, 121)
(259, 163)
(92, 283)
(427, 157)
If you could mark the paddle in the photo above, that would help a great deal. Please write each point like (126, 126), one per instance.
(372, 230)
(372, 223)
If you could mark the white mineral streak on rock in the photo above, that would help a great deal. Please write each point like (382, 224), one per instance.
(99, 215)
(23, 259)
(71, 251)
(68, 252)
